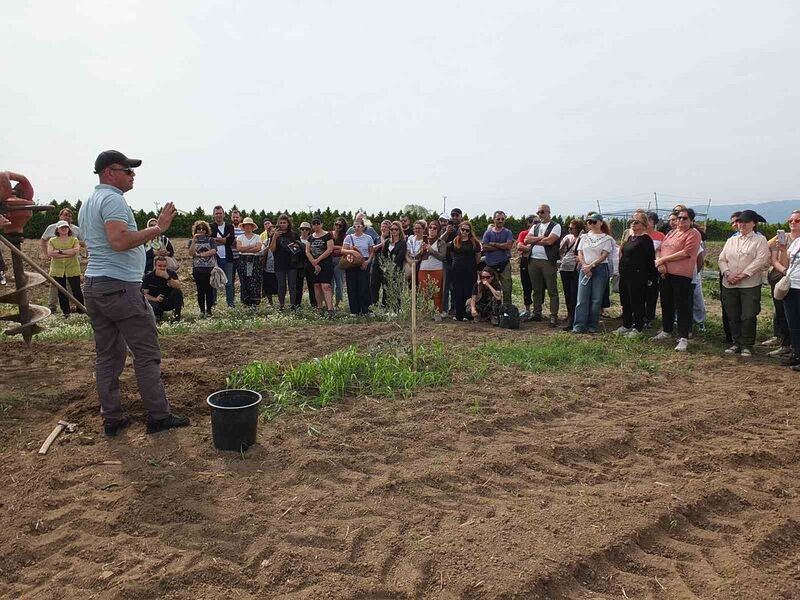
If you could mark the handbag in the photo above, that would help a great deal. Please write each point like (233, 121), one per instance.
(785, 283)
(351, 261)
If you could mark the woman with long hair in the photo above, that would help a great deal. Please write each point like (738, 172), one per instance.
(203, 253)
(305, 272)
(392, 257)
(465, 250)
(318, 253)
(487, 295)
(65, 266)
(789, 264)
(414, 245)
(249, 247)
(594, 249)
(269, 284)
(431, 267)
(339, 233)
(636, 272)
(569, 268)
(376, 276)
(286, 248)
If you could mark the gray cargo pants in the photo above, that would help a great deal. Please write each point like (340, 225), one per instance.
(121, 315)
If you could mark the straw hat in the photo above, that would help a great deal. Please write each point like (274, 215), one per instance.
(248, 221)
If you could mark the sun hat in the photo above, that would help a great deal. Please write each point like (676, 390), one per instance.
(248, 221)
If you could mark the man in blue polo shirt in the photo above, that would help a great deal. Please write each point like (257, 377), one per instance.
(497, 243)
(120, 315)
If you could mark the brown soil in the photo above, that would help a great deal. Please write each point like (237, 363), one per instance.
(678, 484)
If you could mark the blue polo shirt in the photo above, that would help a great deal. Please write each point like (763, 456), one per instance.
(108, 204)
(496, 257)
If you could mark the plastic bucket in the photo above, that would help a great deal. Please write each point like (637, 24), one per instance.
(234, 418)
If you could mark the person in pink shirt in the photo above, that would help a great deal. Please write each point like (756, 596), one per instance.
(675, 260)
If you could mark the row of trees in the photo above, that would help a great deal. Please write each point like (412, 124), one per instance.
(182, 225)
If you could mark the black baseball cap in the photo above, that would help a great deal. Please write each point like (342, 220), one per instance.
(109, 157)
(316, 220)
(456, 211)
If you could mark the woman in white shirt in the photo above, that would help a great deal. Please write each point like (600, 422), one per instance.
(594, 249)
(414, 245)
(789, 262)
(249, 247)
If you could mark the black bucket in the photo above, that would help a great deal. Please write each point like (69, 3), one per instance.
(234, 418)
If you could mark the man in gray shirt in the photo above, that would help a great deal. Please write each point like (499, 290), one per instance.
(120, 315)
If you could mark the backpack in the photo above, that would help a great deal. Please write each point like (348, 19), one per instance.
(508, 316)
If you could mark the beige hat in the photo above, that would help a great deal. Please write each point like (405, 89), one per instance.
(248, 221)
(305, 225)
(61, 224)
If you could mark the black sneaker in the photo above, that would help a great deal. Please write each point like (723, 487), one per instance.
(169, 422)
(536, 318)
(112, 428)
(791, 360)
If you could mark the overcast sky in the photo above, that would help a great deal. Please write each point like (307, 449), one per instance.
(377, 105)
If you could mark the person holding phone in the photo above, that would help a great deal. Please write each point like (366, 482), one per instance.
(779, 265)
(286, 249)
(162, 288)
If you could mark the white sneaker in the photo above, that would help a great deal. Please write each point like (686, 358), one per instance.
(2, 279)
(783, 350)
(661, 335)
(745, 353)
(732, 350)
(683, 345)
(632, 334)
(622, 329)
(773, 341)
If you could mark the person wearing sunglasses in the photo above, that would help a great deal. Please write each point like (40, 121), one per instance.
(376, 275)
(248, 247)
(676, 260)
(787, 262)
(431, 267)
(203, 253)
(779, 265)
(594, 248)
(358, 243)
(742, 262)
(497, 242)
(466, 251)
(544, 240)
(318, 253)
(414, 248)
(285, 246)
(120, 315)
(392, 257)
(484, 304)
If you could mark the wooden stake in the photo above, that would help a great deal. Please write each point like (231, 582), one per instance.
(414, 315)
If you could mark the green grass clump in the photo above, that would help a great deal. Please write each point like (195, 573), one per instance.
(318, 382)
(565, 352)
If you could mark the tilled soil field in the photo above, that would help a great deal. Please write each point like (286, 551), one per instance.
(682, 483)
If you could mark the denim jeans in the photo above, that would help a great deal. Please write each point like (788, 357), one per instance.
(591, 292)
(338, 281)
(791, 307)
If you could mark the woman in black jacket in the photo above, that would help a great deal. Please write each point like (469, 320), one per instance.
(392, 256)
(636, 272)
(465, 250)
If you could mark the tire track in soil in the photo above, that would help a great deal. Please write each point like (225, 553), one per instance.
(419, 498)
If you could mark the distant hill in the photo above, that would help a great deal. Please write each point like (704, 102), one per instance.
(774, 212)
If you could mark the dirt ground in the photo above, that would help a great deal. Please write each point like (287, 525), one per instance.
(681, 483)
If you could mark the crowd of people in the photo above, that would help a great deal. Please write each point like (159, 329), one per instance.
(132, 276)
(468, 276)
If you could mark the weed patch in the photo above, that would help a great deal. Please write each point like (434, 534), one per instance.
(316, 383)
